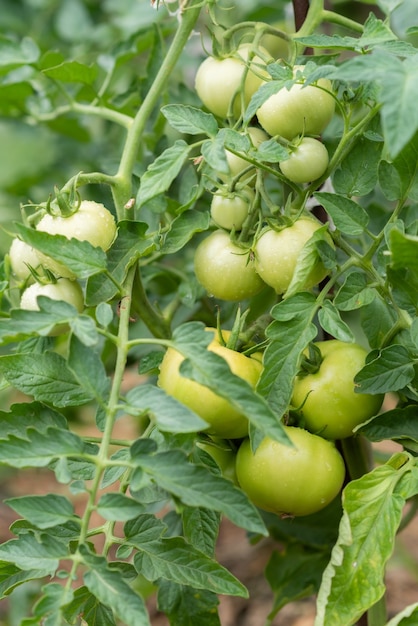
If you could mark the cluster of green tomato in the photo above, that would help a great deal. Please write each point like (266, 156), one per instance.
(293, 117)
(37, 274)
(275, 477)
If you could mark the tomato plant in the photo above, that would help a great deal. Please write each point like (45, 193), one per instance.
(291, 480)
(327, 397)
(173, 167)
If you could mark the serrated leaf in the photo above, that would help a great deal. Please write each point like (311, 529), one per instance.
(45, 376)
(88, 369)
(118, 507)
(29, 552)
(391, 370)
(404, 250)
(331, 322)
(213, 152)
(11, 577)
(289, 335)
(43, 511)
(111, 589)
(270, 151)
(94, 612)
(348, 216)
(161, 173)
(354, 293)
(399, 423)
(143, 528)
(185, 607)
(398, 177)
(174, 559)
(212, 371)
(201, 528)
(169, 414)
(25, 415)
(73, 72)
(407, 617)
(49, 606)
(80, 257)
(183, 228)
(262, 94)
(196, 486)
(190, 120)
(354, 578)
(38, 449)
(357, 173)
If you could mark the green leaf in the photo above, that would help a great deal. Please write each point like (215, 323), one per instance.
(391, 370)
(14, 54)
(25, 415)
(186, 607)
(263, 93)
(174, 559)
(130, 245)
(189, 120)
(404, 251)
(43, 511)
(348, 216)
(354, 293)
(357, 174)
(212, 371)
(161, 173)
(118, 507)
(11, 577)
(308, 259)
(183, 228)
(42, 553)
(49, 606)
(145, 527)
(80, 257)
(289, 335)
(73, 72)
(201, 528)
(196, 486)
(377, 319)
(398, 177)
(354, 578)
(86, 604)
(88, 369)
(169, 414)
(330, 320)
(399, 423)
(294, 574)
(213, 152)
(45, 376)
(39, 449)
(270, 151)
(112, 590)
(407, 617)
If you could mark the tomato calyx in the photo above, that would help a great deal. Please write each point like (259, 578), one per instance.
(310, 362)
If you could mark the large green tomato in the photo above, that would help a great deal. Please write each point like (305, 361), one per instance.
(229, 209)
(308, 161)
(64, 289)
(285, 480)
(329, 403)
(92, 222)
(298, 110)
(224, 456)
(219, 82)
(277, 253)
(225, 270)
(224, 420)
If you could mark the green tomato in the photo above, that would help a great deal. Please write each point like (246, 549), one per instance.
(222, 453)
(92, 222)
(223, 419)
(308, 161)
(22, 256)
(277, 253)
(299, 110)
(237, 164)
(64, 289)
(229, 209)
(219, 82)
(285, 480)
(327, 398)
(225, 270)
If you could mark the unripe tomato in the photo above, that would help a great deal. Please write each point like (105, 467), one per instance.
(21, 256)
(92, 222)
(329, 404)
(225, 270)
(222, 453)
(298, 110)
(224, 420)
(230, 209)
(307, 162)
(277, 252)
(64, 289)
(238, 164)
(285, 480)
(218, 82)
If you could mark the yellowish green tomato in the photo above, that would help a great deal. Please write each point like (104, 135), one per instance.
(308, 161)
(296, 481)
(225, 86)
(22, 256)
(64, 289)
(237, 164)
(226, 270)
(222, 453)
(277, 253)
(327, 398)
(229, 209)
(223, 419)
(299, 110)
